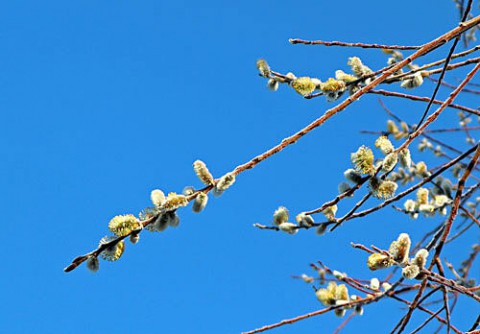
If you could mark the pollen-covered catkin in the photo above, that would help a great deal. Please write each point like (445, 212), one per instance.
(122, 225)
(174, 201)
(421, 169)
(385, 190)
(363, 160)
(422, 196)
(358, 68)
(405, 158)
(392, 127)
(280, 215)
(114, 252)
(340, 75)
(389, 162)
(202, 172)
(263, 68)
(384, 145)
(303, 85)
(330, 212)
(225, 182)
(379, 261)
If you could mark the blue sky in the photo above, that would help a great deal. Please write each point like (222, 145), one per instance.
(104, 101)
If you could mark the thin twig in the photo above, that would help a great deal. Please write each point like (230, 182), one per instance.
(358, 45)
(456, 201)
(444, 69)
(437, 112)
(344, 323)
(419, 328)
(446, 84)
(423, 99)
(435, 63)
(426, 48)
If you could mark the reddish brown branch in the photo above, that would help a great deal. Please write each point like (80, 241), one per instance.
(426, 48)
(437, 112)
(456, 202)
(423, 99)
(358, 45)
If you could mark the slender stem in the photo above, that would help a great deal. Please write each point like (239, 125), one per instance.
(358, 45)
(423, 99)
(426, 48)
(437, 113)
(456, 202)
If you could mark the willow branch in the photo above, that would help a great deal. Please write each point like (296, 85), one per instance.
(456, 201)
(437, 112)
(358, 45)
(426, 48)
(423, 99)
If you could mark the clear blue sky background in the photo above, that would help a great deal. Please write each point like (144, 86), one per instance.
(103, 101)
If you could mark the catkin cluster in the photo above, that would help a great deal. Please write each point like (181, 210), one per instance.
(398, 254)
(161, 215)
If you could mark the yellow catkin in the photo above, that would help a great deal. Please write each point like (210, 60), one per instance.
(174, 201)
(303, 85)
(330, 212)
(384, 145)
(385, 190)
(363, 160)
(263, 68)
(123, 224)
(379, 261)
(332, 85)
(422, 196)
(112, 253)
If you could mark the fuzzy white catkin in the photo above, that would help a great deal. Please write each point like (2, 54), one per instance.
(374, 284)
(304, 220)
(280, 215)
(200, 202)
(289, 228)
(389, 162)
(421, 258)
(225, 182)
(411, 271)
(158, 197)
(272, 84)
(202, 172)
